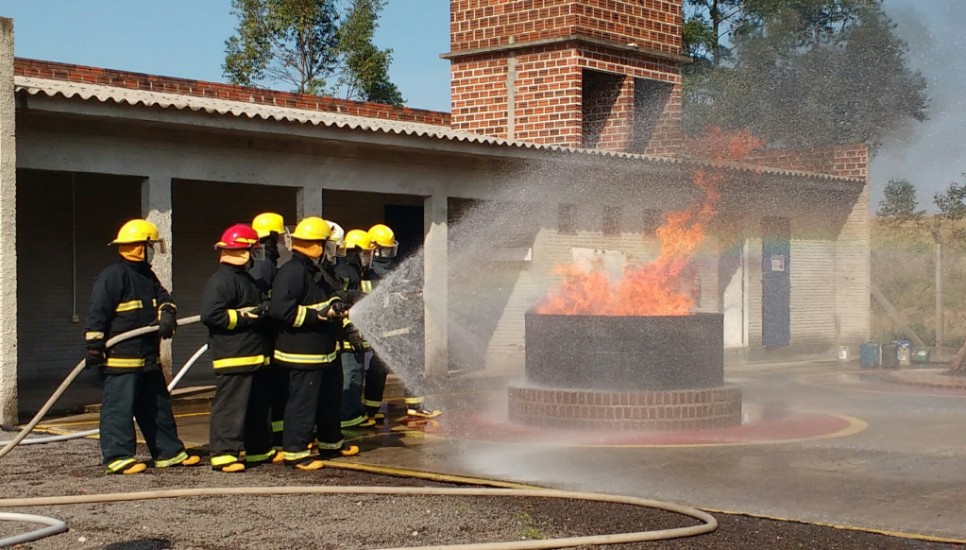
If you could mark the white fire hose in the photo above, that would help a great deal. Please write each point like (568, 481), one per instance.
(55, 526)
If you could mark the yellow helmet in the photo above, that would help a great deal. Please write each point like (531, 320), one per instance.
(385, 241)
(358, 238)
(312, 228)
(265, 223)
(137, 231)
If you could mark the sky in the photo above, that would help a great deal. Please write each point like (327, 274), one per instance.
(185, 38)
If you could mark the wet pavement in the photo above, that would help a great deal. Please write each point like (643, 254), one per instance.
(822, 443)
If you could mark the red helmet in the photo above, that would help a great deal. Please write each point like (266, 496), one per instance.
(237, 237)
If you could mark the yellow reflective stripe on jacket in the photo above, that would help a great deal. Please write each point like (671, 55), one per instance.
(129, 306)
(305, 358)
(347, 346)
(300, 316)
(232, 318)
(321, 305)
(221, 460)
(239, 361)
(366, 286)
(93, 335)
(124, 363)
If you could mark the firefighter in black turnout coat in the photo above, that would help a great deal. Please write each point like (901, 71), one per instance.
(236, 316)
(270, 228)
(355, 279)
(309, 315)
(127, 296)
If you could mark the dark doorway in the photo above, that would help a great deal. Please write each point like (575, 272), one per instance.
(407, 222)
(776, 285)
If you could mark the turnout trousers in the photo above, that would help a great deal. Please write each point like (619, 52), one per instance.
(279, 381)
(314, 403)
(240, 417)
(353, 371)
(375, 386)
(143, 395)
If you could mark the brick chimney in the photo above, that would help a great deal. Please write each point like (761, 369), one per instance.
(597, 74)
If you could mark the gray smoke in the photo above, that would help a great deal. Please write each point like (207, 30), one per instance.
(933, 153)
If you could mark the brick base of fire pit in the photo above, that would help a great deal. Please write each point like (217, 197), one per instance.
(667, 410)
(634, 373)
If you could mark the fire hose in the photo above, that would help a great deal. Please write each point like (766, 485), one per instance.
(55, 526)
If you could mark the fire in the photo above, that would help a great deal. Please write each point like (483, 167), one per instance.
(657, 287)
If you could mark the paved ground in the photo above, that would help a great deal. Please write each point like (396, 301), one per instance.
(822, 442)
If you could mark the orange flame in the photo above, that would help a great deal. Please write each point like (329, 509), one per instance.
(655, 288)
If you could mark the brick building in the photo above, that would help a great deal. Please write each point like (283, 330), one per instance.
(573, 94)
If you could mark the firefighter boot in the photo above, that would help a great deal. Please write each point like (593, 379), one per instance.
(420, 411)
(126, 466)
(180, 459)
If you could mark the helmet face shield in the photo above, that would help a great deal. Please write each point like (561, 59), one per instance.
(386, 252)
(365, 257)
(333, 250)
(158, 246)
(258, 253)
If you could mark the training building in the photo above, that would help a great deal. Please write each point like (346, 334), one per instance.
(593, 85)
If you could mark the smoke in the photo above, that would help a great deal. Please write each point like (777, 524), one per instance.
(933, 153)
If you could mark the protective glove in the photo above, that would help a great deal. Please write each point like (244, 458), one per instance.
(357, 342)
(262, 309)
(339, 308)
(168, 321)
(95, 355)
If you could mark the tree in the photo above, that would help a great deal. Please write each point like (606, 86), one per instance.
(808, 73)
(900, 202)
(706, 30)
(311, 46)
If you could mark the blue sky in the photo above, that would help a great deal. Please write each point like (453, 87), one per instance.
(185, 38)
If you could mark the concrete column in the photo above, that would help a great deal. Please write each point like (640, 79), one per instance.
(308, 203)
(435, 291)
(156, 208)
(8, 230)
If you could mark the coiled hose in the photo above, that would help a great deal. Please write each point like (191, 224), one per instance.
(55, 526)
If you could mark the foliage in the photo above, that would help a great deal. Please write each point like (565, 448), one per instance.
(706, 28)
(950, 201)
(311, 46)
(899, 202)
(808, 73)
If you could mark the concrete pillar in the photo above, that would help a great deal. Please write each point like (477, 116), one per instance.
(8, 230)
(156, 208)
(308, 203)
(435, 291)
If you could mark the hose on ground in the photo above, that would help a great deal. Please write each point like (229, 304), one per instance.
(70, 379)
(709, 523)
(53, 527)
(87, 433)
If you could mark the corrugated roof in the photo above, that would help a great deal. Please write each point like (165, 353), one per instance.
(105, 94)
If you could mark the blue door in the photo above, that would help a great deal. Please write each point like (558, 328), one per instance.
(776, 285)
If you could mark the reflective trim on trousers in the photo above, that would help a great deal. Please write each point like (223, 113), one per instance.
(369, 403)
(413, 400)
(120, 464)
(296, 456)
(173, 461)
(222, 460)
(278, 426)
(353, 421)
(331, 446)
(260, 457)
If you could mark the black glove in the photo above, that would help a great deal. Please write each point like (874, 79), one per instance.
(95, 355)
(357, 342)
(339, 308)
(262, 309)
(168, 322)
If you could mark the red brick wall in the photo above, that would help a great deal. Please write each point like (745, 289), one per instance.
(851, 161)
(651, 24)
(548, 103)
(198, 88)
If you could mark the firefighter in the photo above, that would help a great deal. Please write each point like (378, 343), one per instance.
(385, 249)
(270, 228)
(309, 315)
(127, 296)
(234, 311)
(355, 279)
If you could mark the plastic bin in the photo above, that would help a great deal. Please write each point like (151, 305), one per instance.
(869, 355)
(921, 356)
(890, 356)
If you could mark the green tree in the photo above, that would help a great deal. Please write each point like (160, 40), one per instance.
(899, 201)
(311, 46)
(808, 73)
(950, 201)
(707, 29)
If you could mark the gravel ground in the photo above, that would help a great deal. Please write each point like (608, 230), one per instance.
(350, 521)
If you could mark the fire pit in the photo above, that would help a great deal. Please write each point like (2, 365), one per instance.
(625, 372)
